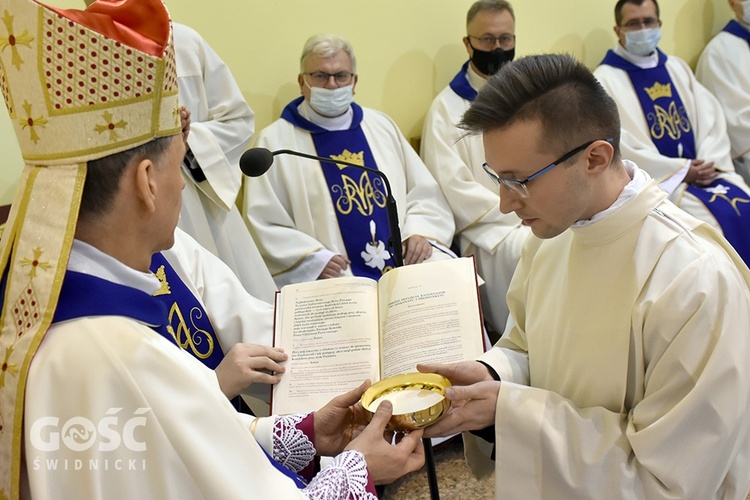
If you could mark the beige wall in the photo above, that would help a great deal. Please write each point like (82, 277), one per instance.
(407, 50)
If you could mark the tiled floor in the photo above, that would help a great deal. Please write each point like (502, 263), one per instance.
(455, 481)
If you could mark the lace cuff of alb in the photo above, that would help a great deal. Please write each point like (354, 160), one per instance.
(346, 478)
(293, 441)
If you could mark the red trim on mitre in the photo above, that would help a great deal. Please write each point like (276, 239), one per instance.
(140, 24)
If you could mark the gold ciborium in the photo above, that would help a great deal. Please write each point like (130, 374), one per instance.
(418, 399)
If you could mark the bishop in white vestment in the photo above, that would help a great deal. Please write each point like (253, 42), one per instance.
(96, 400)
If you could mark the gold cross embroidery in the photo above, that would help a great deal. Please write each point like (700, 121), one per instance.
(7, 366)
(110, 126)
(35, 263)
(31, 122)
(13, 41)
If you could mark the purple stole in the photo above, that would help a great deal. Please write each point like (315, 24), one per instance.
(672, 134)
(460, 84)
(731, 207)
(188, 325)
(737, 30)
(85, 295)
(668, 122)
(359, 197)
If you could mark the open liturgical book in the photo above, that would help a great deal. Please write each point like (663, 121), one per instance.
(339, 332)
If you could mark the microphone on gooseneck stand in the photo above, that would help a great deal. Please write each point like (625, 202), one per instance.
(256, 161)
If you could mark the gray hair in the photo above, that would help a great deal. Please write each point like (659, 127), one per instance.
(489, 5)
(327, 46)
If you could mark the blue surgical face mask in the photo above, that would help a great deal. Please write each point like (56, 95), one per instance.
(331, 102)
(642, 42)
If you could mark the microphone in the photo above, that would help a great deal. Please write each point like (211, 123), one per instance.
(256, 161)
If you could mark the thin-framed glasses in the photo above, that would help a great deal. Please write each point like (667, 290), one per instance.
(635, 24)
(519, 186)
(321, 78)
(506, 41)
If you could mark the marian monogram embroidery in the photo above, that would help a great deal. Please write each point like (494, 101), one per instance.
(360, 193)
(358, 197)
(196, 340)
(189, 337)
(671, 121)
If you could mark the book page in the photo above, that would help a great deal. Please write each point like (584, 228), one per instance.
(329, 330)
(431, 314)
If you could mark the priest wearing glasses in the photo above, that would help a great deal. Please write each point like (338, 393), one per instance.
(315, 221)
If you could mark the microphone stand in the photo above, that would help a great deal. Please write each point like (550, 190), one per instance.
(394, 243)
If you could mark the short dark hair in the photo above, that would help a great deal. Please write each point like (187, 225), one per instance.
(620, 3)
(555, 89)
(491, 5)
(103, 175)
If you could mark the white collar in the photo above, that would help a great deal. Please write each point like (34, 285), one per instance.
(638, 180)
(87, 259)
(643, 62)
(476, 80)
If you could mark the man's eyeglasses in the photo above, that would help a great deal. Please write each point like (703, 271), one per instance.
(321, 78)
(635, 24)
(519, 186)
(507, 42)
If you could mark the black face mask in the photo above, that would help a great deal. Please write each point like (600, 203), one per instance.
(490, 62)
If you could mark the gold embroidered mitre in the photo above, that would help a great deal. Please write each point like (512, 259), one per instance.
(78, 85)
